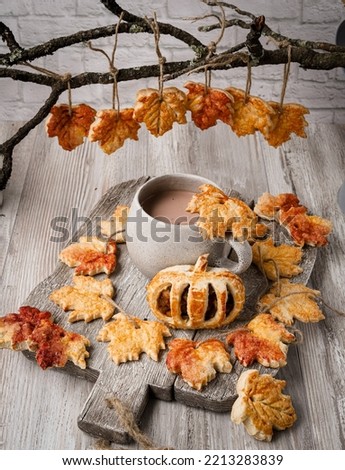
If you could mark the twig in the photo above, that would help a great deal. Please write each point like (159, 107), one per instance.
(205, 58)
(164, 28)
(230, 5)
(8, 37)
(252, 42)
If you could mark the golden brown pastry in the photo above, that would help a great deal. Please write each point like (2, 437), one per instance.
(129, 336)
(70, 124)
(286, 120)
(192, 297)
(33, 330)
(261, 406)
(160, 112)
(208, 105)
(287, 301)
(270, 258)
(90, 256)
(198, 362)
(220, 213)
(263, 340)
(287, 210)
(88, 299)
(115, 227)
(250, 115)
(111, 129)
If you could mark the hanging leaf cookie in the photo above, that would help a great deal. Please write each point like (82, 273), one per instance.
(208, 105)
(70, 125)
(111, 128)
(159, 111)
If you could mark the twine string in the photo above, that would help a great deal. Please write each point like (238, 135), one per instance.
(111, 61)
(153, 23)
(128, 422)
(249, 81)
(64, 78)
(286, 76)
(69, 94)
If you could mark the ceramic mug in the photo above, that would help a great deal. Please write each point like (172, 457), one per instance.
(154, 244)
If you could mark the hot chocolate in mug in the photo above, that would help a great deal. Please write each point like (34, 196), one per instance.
(160, 233)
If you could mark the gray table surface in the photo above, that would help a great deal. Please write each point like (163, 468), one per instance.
(39, 410)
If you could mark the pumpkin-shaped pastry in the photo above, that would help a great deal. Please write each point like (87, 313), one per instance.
(194, 297)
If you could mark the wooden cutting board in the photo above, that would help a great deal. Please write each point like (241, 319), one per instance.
(134, 382)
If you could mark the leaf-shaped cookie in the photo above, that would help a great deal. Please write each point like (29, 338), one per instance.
(285, 258)
(160, 112)
(220, 213)
(198, 362)
(307, 229)
(130, 336)
(269, 206)
(287, 210)
(251, 114)
(285, 121)
(33, 330)
(112, 128)
(261, 406)
(115, 226)
(207, 105)
(90, 256)
(87, 298)
(262, 340)
(70, 127)
(287, 301)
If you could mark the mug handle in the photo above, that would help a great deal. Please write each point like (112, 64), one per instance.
(243, 252)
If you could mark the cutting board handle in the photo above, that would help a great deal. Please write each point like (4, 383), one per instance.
(98, 419)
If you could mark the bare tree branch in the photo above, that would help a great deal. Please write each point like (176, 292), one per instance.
(308, 54)
(164, 28)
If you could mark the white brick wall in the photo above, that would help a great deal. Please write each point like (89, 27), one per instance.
(36, 21)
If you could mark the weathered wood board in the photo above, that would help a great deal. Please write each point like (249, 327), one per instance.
(134, 382)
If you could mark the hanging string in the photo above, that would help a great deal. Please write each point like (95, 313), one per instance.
(286, 76)
(153, 23)
(111, 61)
(249, 81)
(65, 78)
(208, 76)
(47, 72)
(69, 91)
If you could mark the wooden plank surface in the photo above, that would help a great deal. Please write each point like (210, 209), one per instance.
(40, 410)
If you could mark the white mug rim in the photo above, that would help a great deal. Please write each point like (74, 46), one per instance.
(169, 175)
